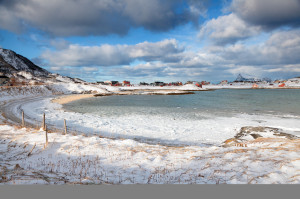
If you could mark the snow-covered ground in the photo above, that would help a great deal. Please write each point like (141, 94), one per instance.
(81, 159)
(89, 157)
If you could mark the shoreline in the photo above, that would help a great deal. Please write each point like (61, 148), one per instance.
(64, 99)
(70, 98)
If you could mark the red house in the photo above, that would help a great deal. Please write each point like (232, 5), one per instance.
(126, 83)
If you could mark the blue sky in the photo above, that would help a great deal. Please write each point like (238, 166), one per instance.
(166, 40)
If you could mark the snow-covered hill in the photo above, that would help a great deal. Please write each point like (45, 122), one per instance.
(23, 70)
(12, 62)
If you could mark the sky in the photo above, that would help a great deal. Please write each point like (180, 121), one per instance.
(157, 40)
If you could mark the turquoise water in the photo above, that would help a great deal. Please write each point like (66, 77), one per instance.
(223, 102)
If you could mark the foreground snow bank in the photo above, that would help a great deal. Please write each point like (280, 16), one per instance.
(95, 160)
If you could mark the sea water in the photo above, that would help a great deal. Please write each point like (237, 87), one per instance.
(225, 103)
(204, 118)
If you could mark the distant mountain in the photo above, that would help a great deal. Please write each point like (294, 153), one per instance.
(11, 62)
(240, 78)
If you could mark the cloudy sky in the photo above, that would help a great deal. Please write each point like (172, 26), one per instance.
(165, 40)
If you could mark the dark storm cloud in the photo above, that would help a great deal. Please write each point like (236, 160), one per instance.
(268, 13)
(89, 17)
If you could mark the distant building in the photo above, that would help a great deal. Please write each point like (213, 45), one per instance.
(157, 83)
(279, 81)
(115, 83)
(281, 85)
(254, 86)
(107, 82)
(143, 84)
(126, 83)
(3, 80)
(112, 83)
(198, 84)
(205, 83)
(224, 82)
(190, 82)
(175, 84)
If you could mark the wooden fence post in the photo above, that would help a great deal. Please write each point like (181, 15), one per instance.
(46, 132)
(23, 121)
(44, 122)
(65, 126)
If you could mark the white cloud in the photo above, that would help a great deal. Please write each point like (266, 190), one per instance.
(90, 69)
(59, 44)
(227, 29)
(110, 55)
(278, 55)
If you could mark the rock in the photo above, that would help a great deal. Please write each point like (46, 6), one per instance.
(256, 132)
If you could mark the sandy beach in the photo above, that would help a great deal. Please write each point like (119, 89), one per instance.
(70, 98)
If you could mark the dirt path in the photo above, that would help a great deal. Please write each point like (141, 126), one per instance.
(12, 110)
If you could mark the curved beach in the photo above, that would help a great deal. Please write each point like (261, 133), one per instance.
(70, 98)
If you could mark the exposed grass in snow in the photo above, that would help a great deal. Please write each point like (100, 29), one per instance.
(93, 160)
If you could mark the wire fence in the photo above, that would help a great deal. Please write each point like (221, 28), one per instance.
(61, 127)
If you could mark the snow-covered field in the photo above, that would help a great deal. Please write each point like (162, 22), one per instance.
(80, 159)
(139, 150)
